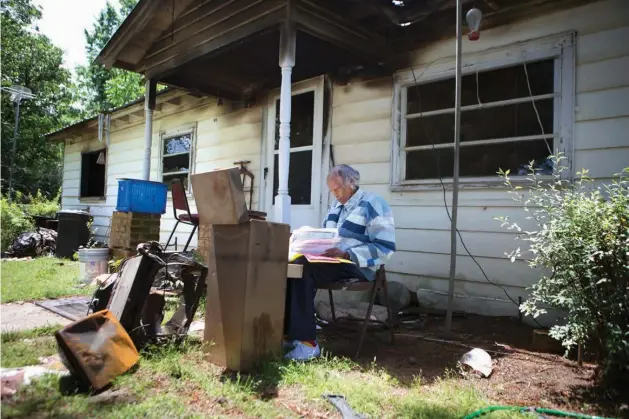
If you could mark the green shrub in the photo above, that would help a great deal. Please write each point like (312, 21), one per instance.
(17, 215)
(14, 222)
(582, 239)
(40, 206)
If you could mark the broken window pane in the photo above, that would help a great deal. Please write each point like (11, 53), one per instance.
(93, 174)
(176, 158)
(477, 161)
(180, 144)
(497, 124)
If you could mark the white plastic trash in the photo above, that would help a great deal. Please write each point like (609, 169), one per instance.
(479, 361)
(92, 263)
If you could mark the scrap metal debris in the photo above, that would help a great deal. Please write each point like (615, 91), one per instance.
(137, 293)
(127, 312)
(341, 404)
(96, 349)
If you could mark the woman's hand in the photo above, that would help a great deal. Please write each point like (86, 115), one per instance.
(336, 253)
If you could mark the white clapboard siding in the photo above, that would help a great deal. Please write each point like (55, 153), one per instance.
(361, 137)
(603, 45)
(616, 159)
(222, 137)
(607, 133)
(603, 104)
(602, 75)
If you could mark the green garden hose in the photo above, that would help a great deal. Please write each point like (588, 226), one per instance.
(539, 410)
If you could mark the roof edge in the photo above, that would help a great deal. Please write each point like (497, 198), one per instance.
(134, 23)
(112, 110)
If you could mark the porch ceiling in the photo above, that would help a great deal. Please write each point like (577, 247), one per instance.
(230, 48)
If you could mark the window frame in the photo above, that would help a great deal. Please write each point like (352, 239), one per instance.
(94, 198)
(167, 135)
(558, 47)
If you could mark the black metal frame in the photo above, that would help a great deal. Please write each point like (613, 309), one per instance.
(380, 282)
(192, 223)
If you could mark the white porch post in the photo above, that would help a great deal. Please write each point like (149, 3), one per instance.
(149, 107)
(286, 63)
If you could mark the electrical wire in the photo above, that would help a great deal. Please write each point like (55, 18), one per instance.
(539, 119)
(443, 187)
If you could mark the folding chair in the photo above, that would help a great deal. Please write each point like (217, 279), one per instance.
(180, 202)
(380, 282)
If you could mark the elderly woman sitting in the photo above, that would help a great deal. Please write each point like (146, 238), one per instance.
(367, 230)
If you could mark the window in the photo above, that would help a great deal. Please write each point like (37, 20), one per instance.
(93, 177)
(301, 148)
(177, 158)
(511, 115)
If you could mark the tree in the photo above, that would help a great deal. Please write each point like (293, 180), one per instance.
(99, 88)
(31, 60)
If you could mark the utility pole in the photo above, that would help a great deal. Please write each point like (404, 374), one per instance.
(18, 93)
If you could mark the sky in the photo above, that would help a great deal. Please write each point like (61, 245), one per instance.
(64, 22)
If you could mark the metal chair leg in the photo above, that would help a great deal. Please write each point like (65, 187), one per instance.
(367, 317)
(190, 238)
(332, 305)
(389, 311)
(171, 235)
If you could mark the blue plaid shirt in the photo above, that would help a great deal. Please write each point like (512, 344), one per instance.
(367, 230)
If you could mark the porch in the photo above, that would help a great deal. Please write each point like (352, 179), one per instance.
(232, 51)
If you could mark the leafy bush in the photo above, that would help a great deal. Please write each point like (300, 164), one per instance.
(582, 238)
(17, 215)
(14, 222)
(40, 206)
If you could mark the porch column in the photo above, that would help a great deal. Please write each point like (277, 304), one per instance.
(286, 63)
(149, 107)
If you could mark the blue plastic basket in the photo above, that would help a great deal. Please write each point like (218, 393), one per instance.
(141, 196)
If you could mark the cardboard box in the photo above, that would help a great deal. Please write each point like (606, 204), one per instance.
(219, 197)
(246, 292)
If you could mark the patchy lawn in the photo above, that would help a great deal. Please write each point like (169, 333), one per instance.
(40, 278)
(24, 348)
(175, 382)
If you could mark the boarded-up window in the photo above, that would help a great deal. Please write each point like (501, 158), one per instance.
(507, 121)
(177, 158)
(93, 178)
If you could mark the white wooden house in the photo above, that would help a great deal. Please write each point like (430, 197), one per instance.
(372, 86)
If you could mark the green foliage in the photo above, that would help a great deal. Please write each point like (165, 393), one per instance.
(29, 59)
(99, 88)
(39, 206)
(14, 222)
(582, 239)
(17, 215)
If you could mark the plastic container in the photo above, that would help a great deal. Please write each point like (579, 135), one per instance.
(72, 232)
(141, 196)
(92, 263)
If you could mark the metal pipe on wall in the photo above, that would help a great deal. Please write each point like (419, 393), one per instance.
(455, 176)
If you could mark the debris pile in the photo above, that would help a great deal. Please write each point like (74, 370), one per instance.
(42, 242)
(125, 314)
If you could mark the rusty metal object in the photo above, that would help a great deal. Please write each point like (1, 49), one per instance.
(97, 349)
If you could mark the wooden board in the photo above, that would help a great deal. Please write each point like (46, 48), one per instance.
(246, 291)
(219, 197)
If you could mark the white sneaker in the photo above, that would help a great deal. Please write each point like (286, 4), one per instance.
(303, 352)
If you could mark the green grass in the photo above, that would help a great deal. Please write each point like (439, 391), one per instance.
(24, 348)
(175, 381)
(39, 279)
